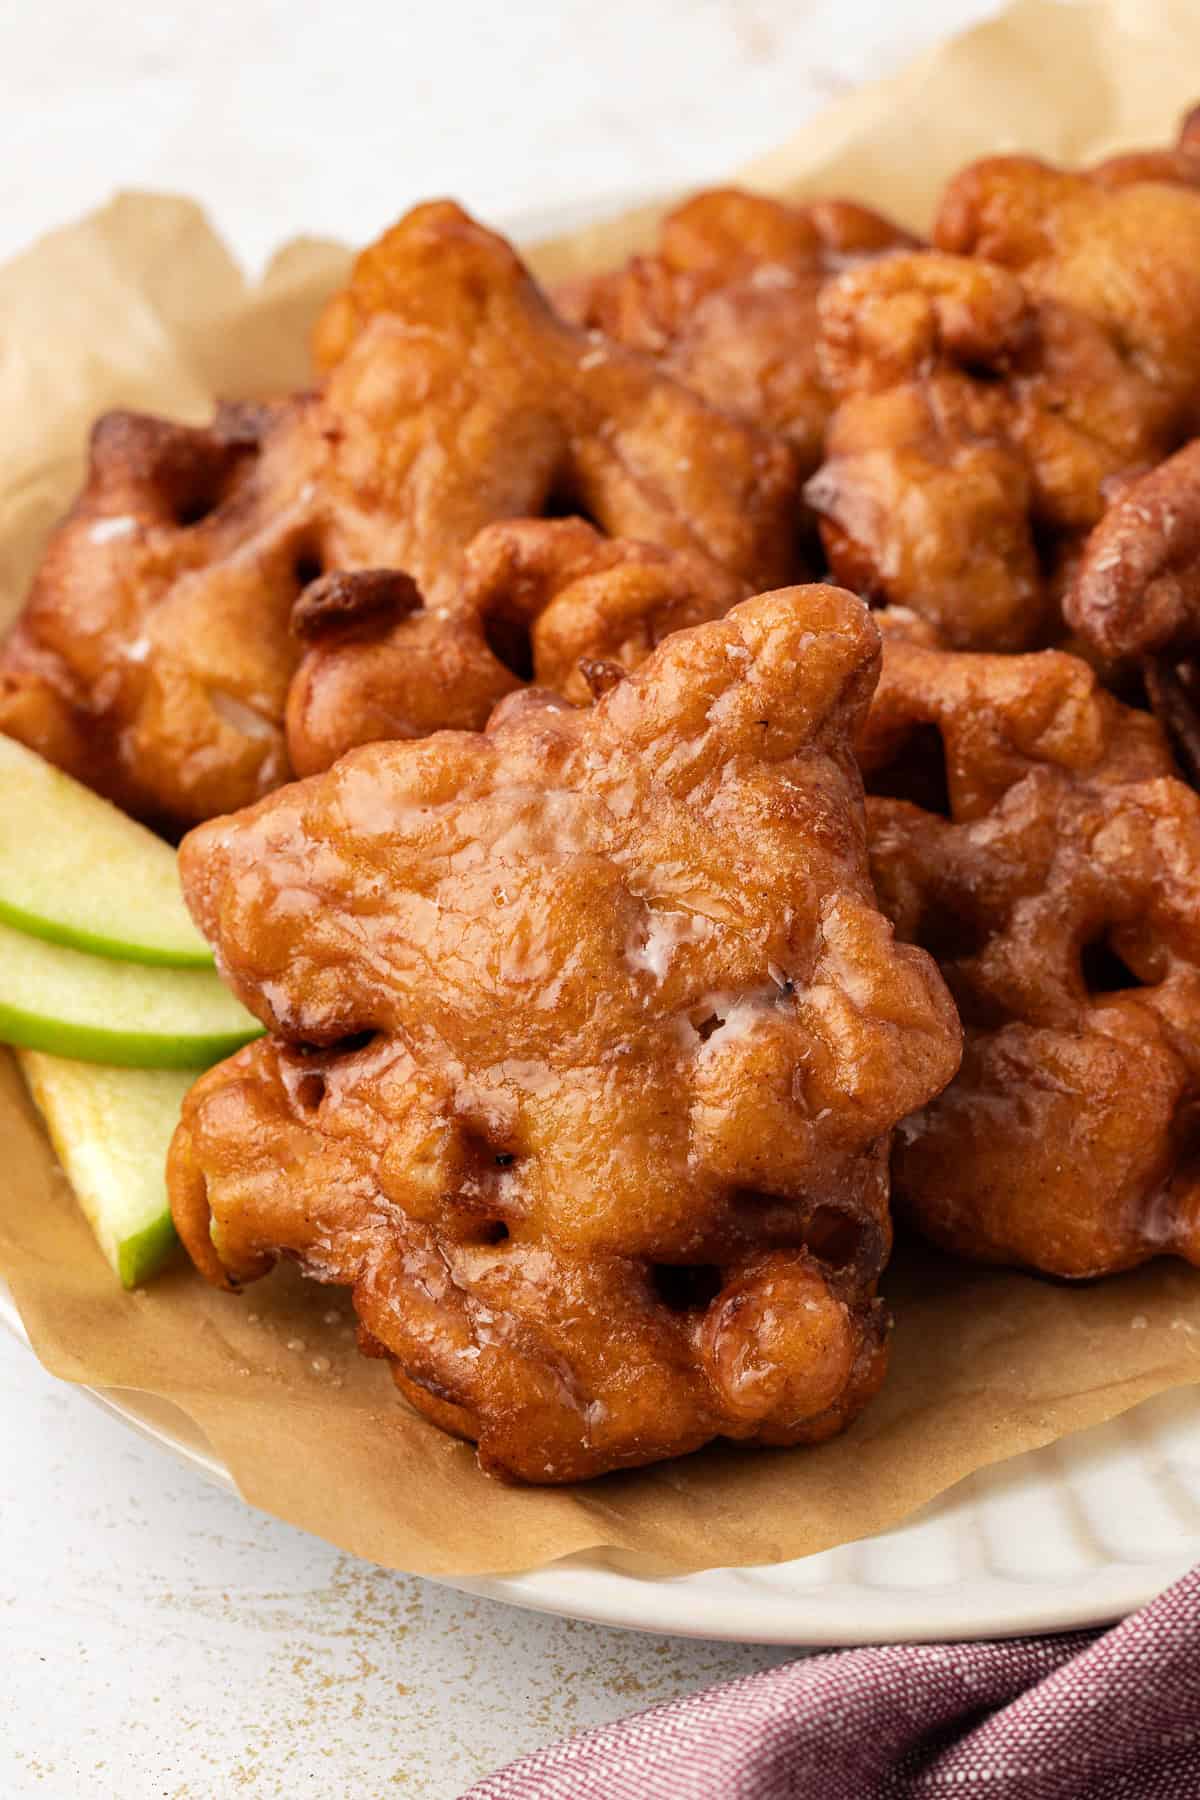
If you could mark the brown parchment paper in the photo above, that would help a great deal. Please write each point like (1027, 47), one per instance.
(139, 305)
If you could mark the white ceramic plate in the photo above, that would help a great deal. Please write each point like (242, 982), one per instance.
(1076, 1534)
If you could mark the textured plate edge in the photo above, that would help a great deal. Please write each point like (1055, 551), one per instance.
(684, 1606)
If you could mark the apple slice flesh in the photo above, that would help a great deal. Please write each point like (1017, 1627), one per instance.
(71, 1004)
(110, 1129)
(75, 870)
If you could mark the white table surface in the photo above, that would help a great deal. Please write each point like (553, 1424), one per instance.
(157, 1638)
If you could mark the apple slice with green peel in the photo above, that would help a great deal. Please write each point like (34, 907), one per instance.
(95, 1010)
(75, 870)
(110, 1129)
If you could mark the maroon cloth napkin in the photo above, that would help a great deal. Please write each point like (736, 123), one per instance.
(1091, 1716)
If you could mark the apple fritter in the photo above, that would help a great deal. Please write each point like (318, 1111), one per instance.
(1136, 590)
(1134, 595)
(155, 653)
(1027, 829)
(545, 600)
(992, 389)
(727, 302)
(587, 1043)
(924, 498)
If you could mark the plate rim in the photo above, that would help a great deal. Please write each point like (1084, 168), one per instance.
(590, 1588)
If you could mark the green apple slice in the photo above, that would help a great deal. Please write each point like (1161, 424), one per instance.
(75, 870)
(110, 1129)
(87, 1007)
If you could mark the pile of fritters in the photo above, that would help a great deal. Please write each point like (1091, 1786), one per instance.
(604, 1014)
(211, 618)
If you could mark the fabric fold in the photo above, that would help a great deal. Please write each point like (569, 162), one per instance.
(1109, 1715)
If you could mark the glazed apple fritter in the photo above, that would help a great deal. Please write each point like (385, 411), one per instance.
(1134, 598)
(587, 1043)
(155, 653)
(1136, 591)
(727, 302)
(545, 600)
(991, 388)
(925, 499)
(1028, 830)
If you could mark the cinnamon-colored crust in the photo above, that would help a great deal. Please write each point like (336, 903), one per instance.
(727, 302)
(155, 655)
(1029, 831)
(1136, 591)
(587, 1044)
(993, 389)
(539, 600)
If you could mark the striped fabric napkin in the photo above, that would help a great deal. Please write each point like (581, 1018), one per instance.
(1112, 1715)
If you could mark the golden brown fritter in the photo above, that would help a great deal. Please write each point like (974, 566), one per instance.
(588, 1042)
(992, 389)
(1136, 591)
(154, 655)
(1115, 275)
(924, 498)
(1134, 595)
(728, 302)
(1027, 830)
(544, 600)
